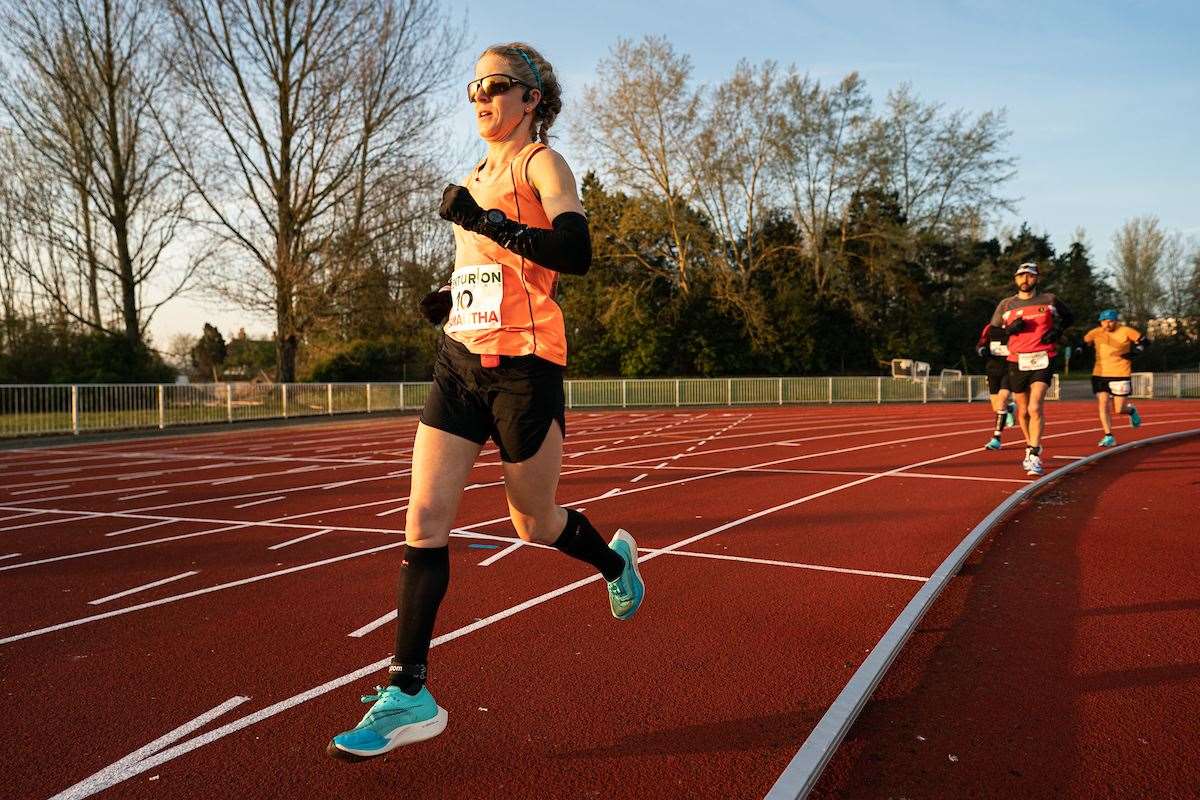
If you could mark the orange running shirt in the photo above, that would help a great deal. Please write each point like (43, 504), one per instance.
(1109, 348)
(521, 318)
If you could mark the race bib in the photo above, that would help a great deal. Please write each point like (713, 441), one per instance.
(1120, 388)
(1028, 362)
(476, 293)
(998, 348)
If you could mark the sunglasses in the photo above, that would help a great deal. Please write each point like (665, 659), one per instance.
(492, 86)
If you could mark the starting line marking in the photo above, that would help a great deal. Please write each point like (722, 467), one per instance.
(492, 559)
(299, 539)
(259, 502)
(142, 588)
(374, 624)
(128, 766)
(794, 564)
(140, 527)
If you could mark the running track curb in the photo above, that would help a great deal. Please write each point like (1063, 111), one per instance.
(802, 772)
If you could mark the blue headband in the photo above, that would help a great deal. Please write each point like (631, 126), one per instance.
(537, 76)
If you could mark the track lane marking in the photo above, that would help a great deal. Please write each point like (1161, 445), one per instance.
(299, 539)
(143, 587)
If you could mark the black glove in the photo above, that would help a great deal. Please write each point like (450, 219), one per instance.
(982, 350)
(460, 207)
(1051, 336)
(567, 247)
(435, 306)
(1015, 327)
(1135, 350)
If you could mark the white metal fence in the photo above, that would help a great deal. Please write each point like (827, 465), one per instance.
(37, 410)
(1166, 384)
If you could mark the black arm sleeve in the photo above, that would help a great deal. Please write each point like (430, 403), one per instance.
(566, 248)
(1065, 317)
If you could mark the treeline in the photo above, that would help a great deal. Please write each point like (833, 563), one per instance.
(768, 224)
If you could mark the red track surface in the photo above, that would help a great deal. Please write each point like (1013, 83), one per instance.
(1061, 663)
(707, 693)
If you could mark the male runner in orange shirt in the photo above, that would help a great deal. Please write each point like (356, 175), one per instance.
(1116, 345)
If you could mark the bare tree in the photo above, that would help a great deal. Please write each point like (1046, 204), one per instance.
(89, 80)
(823, 150)
(301, 107)
(1139, 250)
(641, 123)
(737, 176)
(941, 167)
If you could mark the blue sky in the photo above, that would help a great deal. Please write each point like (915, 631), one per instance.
(1103, 99)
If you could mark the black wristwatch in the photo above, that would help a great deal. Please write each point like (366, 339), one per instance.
(494, 216)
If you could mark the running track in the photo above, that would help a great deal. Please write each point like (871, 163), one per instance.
(196, 615)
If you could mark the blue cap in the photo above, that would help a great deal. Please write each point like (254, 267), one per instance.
(1109, 313)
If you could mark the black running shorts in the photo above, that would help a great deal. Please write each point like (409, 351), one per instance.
(1020, 380)
(1117, 387)
(513, 403)
(997, 375)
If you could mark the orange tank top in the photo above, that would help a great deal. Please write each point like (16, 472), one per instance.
(518, 317)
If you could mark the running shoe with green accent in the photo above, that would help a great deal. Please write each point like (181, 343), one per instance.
(1135, 419)
(1009, 410)
(1107, 441)
(394, 719)
(626, 592)
(994, 444)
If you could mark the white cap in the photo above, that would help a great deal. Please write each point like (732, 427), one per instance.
(1028, 268)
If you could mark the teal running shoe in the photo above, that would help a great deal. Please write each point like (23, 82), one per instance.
(994, 444)
(1135, 419)
(394, 719)
(1009, 410)
(1107, 441)
(626, 592)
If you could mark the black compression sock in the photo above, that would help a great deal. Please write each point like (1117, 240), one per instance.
(424, 576)
(580, 540)
(1035, 450)
(999, 424)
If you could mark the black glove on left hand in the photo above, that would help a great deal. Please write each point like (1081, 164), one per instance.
(460, 207)
(435, 306)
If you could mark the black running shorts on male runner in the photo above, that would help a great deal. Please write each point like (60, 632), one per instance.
(513, 403)
(1117, 387)
(1020, 380)
(997, 375)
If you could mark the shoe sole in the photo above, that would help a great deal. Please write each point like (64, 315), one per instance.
(623, 535)
(407, 734)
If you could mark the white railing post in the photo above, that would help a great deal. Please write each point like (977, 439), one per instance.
(570, 394)
(677, 392)
(830, 391)
(1178, 384)
(781, 391)
(229, 401)
(879, 390)
(729, 391)
(162, 416)
(969, 392)
(329, 398)
(283, 398)
(624, 392)
(74, 409)
(368, 398)
(925, 391)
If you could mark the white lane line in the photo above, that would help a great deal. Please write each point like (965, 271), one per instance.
(638, 478)
(41, 489)
(793, 564)
(71, 517)
(140, 475)
(802, 772)
(391, 511)
(141, 588)
(140, 527)
(115, 548)
(298, 539)
(259, 502)
(143, 494)
(374, 625)
(127, 767)
(1070, 458)
(10, 555)
(197, 592)
(21, 515)
(492, 559)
